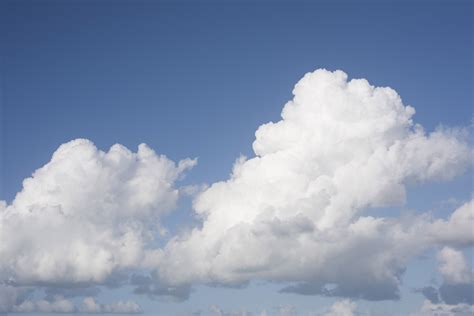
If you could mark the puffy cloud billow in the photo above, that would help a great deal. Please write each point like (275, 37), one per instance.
(295, 211)
(86, 214)
(342, 308)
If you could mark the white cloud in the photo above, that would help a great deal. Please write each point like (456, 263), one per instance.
(89, 305)
(431, 309)
(286, 310)
(458, 230)
(215, 310)
(342, 308)
(454, 267)
(60, 305)
(294, 212)
(86, 214)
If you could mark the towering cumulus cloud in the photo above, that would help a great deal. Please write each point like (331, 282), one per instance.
(295, 211)
(86, 214)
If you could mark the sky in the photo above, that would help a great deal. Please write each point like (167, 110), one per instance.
(273, 181)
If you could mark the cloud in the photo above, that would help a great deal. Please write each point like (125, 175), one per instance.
(65, 306)
(454, 267)
(458, 276)
(432, 309)
(457, 230)
(339, 308)
(60, 305)
(52, 292)
(295, 211)
(215, 310)
(342, 308)
(282, 310)
(89, 305)
(458, 280)
(10, 296)
(87, 214)
(457, 293)
(286, 310)
(431, 293)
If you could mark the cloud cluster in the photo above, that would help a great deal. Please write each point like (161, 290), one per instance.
(454, 267)
(295, 211)
(433, 309)
(457, 288)
(86, 214)
(215, 310)
(339, 308)
(88, 306)
(342, 308)
(457, 230)
(60, 305)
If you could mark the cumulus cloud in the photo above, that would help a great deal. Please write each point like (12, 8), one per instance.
(432, 309)
(342, 308)
(295, 211)
(60, 305)
(458, 229)
(286, 310)
(458, 280)
(89, 305)
(339, 308)
(454, 267)
(63, 306)
(215, 310)
(86, 214)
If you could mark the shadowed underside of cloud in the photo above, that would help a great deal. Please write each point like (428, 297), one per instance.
(458, 280)
(293, 213)
(146, 285)
(373, 292)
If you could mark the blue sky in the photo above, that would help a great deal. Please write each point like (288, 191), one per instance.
(196, 79)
